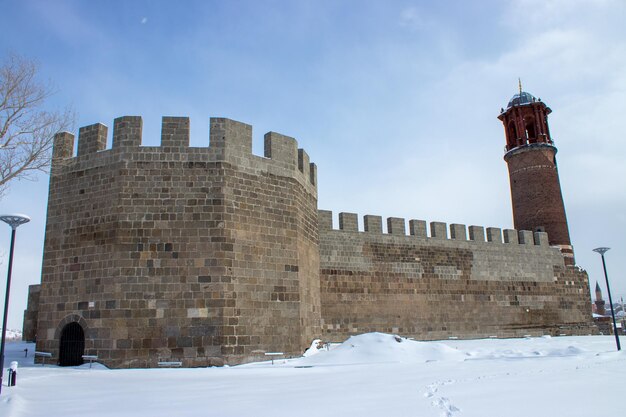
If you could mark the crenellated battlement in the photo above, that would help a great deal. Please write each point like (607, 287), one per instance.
(215, 250)
(229, 141)
(435, 280)
(348, 222)
(212, 255)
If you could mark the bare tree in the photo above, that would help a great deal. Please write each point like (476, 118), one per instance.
(26, 128)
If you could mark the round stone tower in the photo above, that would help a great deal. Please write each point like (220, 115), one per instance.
(533, 173)
(600, 303)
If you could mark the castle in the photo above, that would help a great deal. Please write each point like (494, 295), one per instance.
(213, 255)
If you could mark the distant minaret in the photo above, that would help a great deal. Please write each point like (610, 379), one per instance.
(599, 301)
(534, 177)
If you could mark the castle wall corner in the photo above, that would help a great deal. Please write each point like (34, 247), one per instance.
(203, 255)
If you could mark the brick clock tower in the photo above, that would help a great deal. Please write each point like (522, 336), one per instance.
(533, 173)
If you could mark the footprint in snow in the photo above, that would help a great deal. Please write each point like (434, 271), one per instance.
(447, 409)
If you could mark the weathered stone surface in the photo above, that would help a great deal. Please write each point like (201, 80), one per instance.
(213, 256)
(435, 287)
(200, 255)
(29, 326)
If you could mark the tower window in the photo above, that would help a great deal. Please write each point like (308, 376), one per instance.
(531, 133)
(512, 134)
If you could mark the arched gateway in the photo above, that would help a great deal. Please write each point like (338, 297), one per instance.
(72, 346)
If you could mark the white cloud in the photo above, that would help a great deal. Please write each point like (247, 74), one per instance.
(528, 15)
(410, 17)
(66, 23)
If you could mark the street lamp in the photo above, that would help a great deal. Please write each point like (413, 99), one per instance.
(13, 220)
(601, 251)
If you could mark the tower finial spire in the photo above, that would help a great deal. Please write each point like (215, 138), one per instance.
(519, 81)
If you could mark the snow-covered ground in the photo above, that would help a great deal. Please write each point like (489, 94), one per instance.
(13, 334)
(368, 375)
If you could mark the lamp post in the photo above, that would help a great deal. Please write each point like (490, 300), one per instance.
(13, 220)
(602, 251)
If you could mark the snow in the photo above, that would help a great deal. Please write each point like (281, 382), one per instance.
(13, 334)
(315, 347)
(368, 375)
(381, 348)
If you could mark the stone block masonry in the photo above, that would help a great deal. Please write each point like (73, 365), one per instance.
(29, 326)
(438, 287)
(201, 255)
(213, 255)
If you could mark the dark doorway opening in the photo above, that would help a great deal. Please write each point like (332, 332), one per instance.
(72, 346)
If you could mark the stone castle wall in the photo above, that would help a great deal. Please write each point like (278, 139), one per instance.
(29, 326)
(213, 255)
(172, 253)
(438, 287)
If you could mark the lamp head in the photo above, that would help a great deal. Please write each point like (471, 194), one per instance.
(14, 220)
(601, 251)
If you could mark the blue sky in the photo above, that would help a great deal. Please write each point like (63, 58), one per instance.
(396, 102)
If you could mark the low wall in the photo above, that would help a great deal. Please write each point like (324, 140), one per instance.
(433, 287)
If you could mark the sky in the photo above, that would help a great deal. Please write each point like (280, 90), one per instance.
(396, 102)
